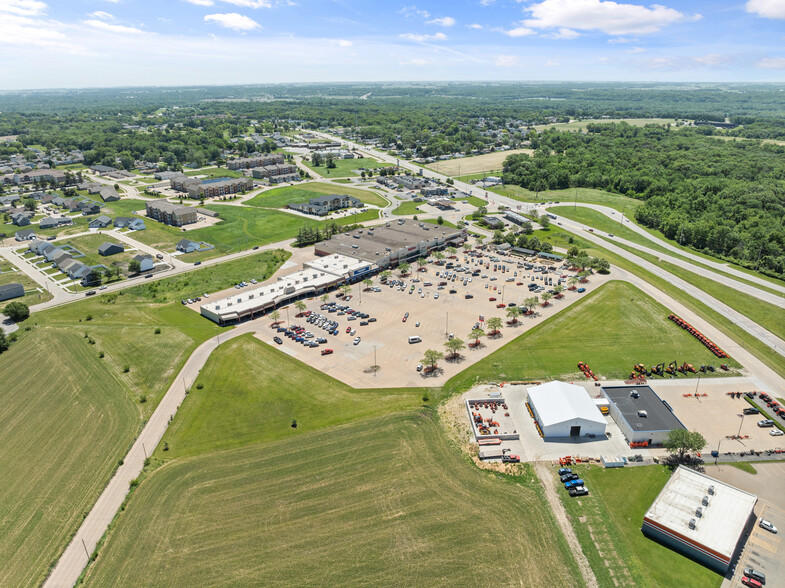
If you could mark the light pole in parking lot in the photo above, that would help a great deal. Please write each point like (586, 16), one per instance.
(375, 366)
(740, 424)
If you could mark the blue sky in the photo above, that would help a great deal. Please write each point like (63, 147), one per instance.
(95, 43)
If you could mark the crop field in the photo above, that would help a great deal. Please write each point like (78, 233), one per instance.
(342, 499)
(614, 328)
(608, 525)
(67, 420)
(34, 293)
(280, 197)
(476, 164)
(345, 168)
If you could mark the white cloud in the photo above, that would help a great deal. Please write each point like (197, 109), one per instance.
(474, 26)
(519, 32)
(112, 28)
(767, 8)
(200, 2)
(552, 63)
(714, 59)
(341, 42)
(636, 50)
(621, 40)
(101, 15)
(772, 63)
(564, 33)
(234, 21)
(408, 11)
(486, 2)
(418, 61)
(250, 3)
(507, 61)
(23, 7)
(424, 38)
(445, 21)
(608, 17)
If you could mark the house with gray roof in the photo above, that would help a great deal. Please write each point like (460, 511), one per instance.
(145, 262)
(100, 222)
(53, 222)
(20, 219)
(56, 254)
(40, 247)
(108, 248)
(25, 235)
(187, 246)
(325, 204)
(8, 291)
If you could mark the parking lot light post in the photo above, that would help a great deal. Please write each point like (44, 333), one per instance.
(740, 424)
(375, 366)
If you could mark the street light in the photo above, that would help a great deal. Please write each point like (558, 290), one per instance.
(740, 424)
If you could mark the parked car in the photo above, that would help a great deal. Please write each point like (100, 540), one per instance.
(581, 290)
(578, 491)
(468, 296)
(567, 477)
(776, 433)
(751, 410)
(766, 423)
(405, 316)
(326, 351)
(419, 367)
(751, 582)
(573, 483)
(755, 574)
(492, 299)
(357, 341)
(278, 340)
(563, 471)
(197, 263)
(767, 525)
(89, 293)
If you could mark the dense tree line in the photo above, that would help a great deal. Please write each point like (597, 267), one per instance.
(724, 197)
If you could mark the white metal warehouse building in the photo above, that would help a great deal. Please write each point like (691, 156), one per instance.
(702, 518)
(565, 410)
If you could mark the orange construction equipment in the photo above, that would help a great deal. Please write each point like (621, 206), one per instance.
(715, 349)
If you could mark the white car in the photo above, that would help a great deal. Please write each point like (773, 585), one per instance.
(253, 280)
(776, 433)
(357, 341)
(436, 296)
(764, 524)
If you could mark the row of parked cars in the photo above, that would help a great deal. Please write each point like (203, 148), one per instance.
(572, 482)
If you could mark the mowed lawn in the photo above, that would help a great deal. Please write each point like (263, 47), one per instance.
(66, 421)
(280, 197)
(613, 328)
(345, 168)
(476, 164)
(608, 525)
(586, 195)
(10, 274)
(384, 501)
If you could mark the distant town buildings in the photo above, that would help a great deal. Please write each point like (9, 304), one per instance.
(323, 205)
(256, 161)
(210, 188)
(171, 214)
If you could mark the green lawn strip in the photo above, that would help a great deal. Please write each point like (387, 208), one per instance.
(570, 195)
(614, 510)
(358, 217)
(67, 420)
(379, 501)
(767, 315)
(611, 329)
(744, 466)
(342, 181)
(89, 244)
(280, 197)
(215, 172)
(601, 222)
(475, 201)
(445, 223)
(346, 167)
(478, 176)
(408, 207)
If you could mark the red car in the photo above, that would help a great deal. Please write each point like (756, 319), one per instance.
(326, 351)
(519, 283)
(348, 329)
(501, 305)
(751, 582)
(492, 299)
(405, 317)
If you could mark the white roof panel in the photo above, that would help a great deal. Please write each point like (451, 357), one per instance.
(557, 402)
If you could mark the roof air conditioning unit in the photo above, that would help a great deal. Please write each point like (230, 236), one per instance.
(705, 501)
(692, 523)
(699, 512)
(711, 489)
(643, 414)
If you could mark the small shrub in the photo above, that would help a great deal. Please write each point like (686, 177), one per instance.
(199, 386)
(134, 483)
(146, 462)
(158, 330)
(28, 328)
(143, 399)
(101, 355)
(294, 423)
(89, 317)
(425, 398)
(121, 462)
(166, 446)
(126, 369)
(91, 341)
(12, 337)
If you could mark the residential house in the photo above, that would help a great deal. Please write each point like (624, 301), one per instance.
(325, 204)
(102, 169)
(121, 222)
(40, 247)
(145, 262)
(493, 222)
(171, 214)
(88, 208)
(100, 222)
(109, 195)
(137, 224)
(20, 219)
(52, 222)
(187, 246)
(8, 291)
(59, 256)
(41, 175)
(108, 248)
(25, 235)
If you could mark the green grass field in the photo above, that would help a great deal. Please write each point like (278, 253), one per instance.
(614, 328)
(587, 195)
(69, 416)
(280, 197)
(345, 168)
(347, 498)
(215, 172)
(408, 207)
(608, 525)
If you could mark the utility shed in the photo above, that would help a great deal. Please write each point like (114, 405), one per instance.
(565, 410)
(701, 517)
(641, 415)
